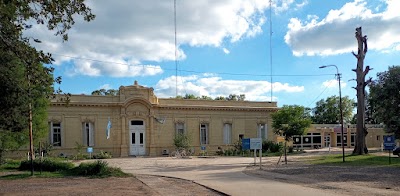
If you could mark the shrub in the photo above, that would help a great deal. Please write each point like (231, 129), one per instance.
(182, 141)
(47, 164)
(98, 168)
(266, 145)
(102, 155)
(275, 147)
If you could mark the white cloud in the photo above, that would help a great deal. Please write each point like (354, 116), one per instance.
(334, 34)
(214, 86)
(105, 86)
(226, 51)
(128, 33)
(333, 84)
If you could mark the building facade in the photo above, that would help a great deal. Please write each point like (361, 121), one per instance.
(143, 125)
(329, 135)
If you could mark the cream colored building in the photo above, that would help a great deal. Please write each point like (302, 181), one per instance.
(144, 125)
(325, 135)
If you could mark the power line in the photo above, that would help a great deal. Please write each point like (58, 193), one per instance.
(270, 42)
(199, 72)
(176, 61)
(321, 92)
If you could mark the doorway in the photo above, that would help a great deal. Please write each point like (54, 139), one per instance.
(137, 138)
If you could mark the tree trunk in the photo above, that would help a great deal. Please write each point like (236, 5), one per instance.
(360, 145)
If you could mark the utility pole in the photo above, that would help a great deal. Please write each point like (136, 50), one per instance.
(360, 146)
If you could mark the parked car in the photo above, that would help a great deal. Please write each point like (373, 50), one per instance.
(396, 151)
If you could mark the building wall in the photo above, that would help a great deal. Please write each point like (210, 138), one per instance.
(159, 116)
(374, 139)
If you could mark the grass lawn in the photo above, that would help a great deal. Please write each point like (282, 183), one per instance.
(356, 160)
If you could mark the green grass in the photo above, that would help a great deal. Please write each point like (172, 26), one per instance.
(356, 160)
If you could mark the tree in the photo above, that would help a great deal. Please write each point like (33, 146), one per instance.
(328, 111)
(360, 146)
(32, 82)
(289, 121)
(109, 92)
(385, 99)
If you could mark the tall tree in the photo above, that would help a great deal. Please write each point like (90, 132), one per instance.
(360, 146)
(33, 81)
(328, 111)
(289, 121)
(385, 99)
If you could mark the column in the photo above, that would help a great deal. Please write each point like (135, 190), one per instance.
(124, 146)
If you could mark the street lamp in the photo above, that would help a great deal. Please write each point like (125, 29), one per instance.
(340, 104)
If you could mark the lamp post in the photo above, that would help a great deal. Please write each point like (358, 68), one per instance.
(340, 104)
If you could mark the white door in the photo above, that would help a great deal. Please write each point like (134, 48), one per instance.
(137, 138)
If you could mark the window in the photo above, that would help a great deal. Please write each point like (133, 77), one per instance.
(136, 122)
(55, 134)
(262, 131)
(227, 133)
(180, 128)
(203, 134)
(88, 133)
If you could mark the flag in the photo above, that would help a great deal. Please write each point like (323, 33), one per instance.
(108, 128)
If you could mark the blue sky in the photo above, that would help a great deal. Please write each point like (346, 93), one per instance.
(224, 47)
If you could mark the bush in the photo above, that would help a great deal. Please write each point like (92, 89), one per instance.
(102, 155)
(266, 145)
(275, 147)
(182, 141)
(47, 164)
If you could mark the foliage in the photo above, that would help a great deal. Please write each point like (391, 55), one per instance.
(9, 164)
(385, 99)
(102, 155)
(328, 111)
(97, 169)
(93, 169)
(231, 97)
(47, 164)
(290, 121)
(266, 145)
(275, 147)
(23, 78)
(79, 151)
(109, 92)
(182, 141)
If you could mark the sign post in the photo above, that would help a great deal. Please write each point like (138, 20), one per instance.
(256, 144)
(90, 151)
(388, 144)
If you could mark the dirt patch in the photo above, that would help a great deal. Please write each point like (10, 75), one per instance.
(142, 185)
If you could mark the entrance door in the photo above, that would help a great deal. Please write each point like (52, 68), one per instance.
(137, 138)
(327, 140)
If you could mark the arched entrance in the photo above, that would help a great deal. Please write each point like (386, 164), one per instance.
(137, 137)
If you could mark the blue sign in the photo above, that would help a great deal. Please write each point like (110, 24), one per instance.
(89, 149)
(389, 142)
(246, 144)
(203, 148)
(255, 143)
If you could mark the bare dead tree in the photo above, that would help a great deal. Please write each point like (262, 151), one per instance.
(360, 145)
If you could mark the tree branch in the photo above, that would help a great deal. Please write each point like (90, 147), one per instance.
(354, 54)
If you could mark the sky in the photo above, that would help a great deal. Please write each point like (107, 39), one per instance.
(225, 47)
